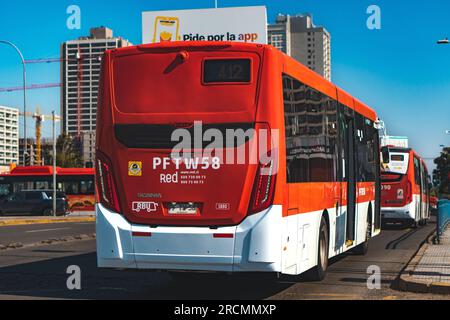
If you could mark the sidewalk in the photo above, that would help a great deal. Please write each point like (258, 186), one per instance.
(72, 218)
(429, 271)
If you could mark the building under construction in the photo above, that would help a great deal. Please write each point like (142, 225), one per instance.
(39, 153)
(80, 75)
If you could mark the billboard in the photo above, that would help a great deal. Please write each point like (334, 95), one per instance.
(241, 24)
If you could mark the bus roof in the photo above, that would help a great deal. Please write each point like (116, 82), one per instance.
(48, 170)
(294, 67)
(321, 84)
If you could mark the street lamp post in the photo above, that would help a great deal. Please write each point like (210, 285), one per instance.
(25, 150)
(54, 162)
(55, 118)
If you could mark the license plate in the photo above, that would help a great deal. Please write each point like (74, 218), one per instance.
(182, 208)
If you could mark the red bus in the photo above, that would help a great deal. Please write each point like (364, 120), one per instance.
(77, 184)
(405, 187)
(316, 197)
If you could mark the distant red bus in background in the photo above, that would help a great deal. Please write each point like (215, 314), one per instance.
(77, 184)
(405, 195)
(434, 203)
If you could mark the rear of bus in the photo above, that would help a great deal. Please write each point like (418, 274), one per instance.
(397, 205)
(157, 211)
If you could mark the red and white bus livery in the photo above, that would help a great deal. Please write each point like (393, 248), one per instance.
(405, 193)
(76, 183)
(317, 195)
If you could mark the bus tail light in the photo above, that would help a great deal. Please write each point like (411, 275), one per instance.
(408, 196)
(107, 192)
(264, 188)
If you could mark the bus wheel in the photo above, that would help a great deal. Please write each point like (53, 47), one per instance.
(319, 272)
(362, 249)
(423, 222)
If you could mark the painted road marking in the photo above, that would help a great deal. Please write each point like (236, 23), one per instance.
(46, 230)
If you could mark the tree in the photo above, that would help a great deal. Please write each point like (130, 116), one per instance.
(68, 152)
(441, 175)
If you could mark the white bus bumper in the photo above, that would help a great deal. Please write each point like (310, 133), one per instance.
(399, 213)
(254, 247)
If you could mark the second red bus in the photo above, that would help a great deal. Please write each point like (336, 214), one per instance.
(405, 187)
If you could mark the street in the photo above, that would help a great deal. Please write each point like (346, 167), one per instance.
(40, 272)
(30, 234)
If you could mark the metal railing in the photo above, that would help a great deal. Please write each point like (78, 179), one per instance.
(443, 217)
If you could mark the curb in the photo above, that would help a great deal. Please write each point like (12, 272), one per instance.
(19, 222)
(408, 283)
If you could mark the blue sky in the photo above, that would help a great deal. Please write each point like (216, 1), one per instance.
(398, 70)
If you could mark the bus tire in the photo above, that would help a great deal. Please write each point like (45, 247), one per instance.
(319, 272)
(423, 222)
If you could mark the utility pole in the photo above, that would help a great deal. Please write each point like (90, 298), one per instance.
(24, 74)
(54, 162)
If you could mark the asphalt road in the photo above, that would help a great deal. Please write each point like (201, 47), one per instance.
(30, 234)
(40, 273)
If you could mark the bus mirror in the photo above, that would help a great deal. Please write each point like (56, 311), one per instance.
(386, 155)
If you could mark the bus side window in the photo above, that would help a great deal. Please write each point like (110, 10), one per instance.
(42, 185)
(342, 138)
(365, 150)
(86, 187)
(71, 188)
(297, 147)
(417, 171)
(332, 140)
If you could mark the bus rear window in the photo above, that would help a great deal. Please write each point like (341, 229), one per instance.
(160, 136)
(391, 177)
(161, 85)
(397, 157)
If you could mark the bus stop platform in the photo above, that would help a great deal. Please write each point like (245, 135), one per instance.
(75, 217)
(429, 270)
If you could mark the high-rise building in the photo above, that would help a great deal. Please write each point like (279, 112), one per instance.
(299, 38)
(9, 136)
(80, 75)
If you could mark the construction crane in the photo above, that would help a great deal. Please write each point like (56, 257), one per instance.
(36, 86)
(80, 59)
(39, 118)
(32, 87)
